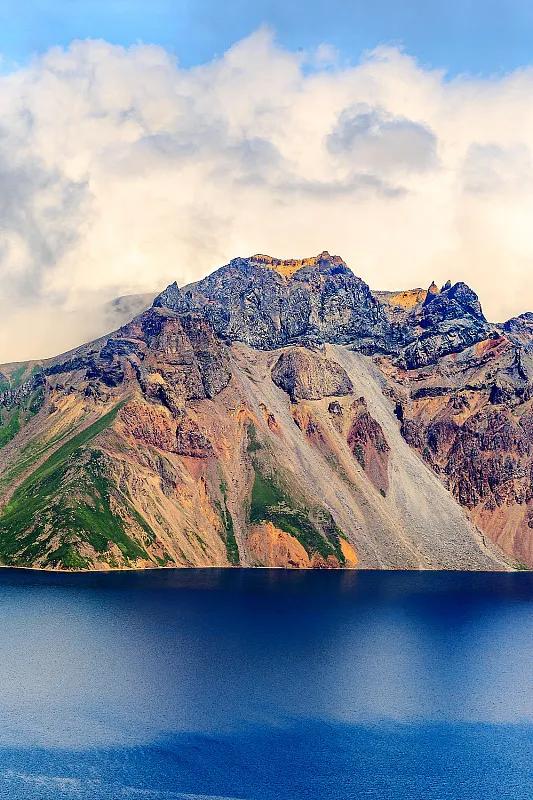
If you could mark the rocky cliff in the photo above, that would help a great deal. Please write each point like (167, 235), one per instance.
(276, 413)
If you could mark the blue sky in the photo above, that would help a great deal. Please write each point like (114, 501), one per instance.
(482, 37)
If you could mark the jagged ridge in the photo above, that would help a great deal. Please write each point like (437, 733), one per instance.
(276, 413)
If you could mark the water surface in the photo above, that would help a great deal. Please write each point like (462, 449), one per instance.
(266, 684)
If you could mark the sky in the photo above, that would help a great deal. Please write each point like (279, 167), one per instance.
(142, 142)
(472, 36)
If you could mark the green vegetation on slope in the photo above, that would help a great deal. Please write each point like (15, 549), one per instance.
(232, 548)
(9, 428)
(13, 418)
(62, 512)
(270, 503)
(253, 443)
(15, 379)
(70, 447)
(28, 455)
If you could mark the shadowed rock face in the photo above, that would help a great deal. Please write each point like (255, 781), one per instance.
(369, 446)
(171, 298)
(486, 462)
(402, 437)
(181, 358)
(446, 322)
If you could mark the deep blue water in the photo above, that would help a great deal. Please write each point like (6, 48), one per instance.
(266, 685)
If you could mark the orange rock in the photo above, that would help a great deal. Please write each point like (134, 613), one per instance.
(348, 551)
(269, 546)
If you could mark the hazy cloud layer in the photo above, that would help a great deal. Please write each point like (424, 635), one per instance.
(377, 141)
(120, 172)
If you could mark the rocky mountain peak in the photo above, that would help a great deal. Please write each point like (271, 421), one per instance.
(288, 267)
(466, 298)
(171, 298)
(452, 302)
(520, 330)
(522, 322)
(447, 322)
(267, 302)
(433, 290)
(233, 404)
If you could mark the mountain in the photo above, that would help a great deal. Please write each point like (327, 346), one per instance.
(276, 413)
(122, 309)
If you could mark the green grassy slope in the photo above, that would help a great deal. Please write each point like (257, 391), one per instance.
(271, 502)
(61, 515)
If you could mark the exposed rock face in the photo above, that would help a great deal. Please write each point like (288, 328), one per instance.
(469, 418)
(154, 425)
(177, 358)
(268, 303)
(433, 290)
(520, 330)
(272, 547)
(308, 375)
(399, 305)
(487, 463)
(447, 322)
(171, 298)
(169, 441)
(191, 440)
(151, 424)
(370, 447)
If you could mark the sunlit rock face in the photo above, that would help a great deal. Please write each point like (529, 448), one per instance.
(276, 413)
(308, 375)
(268, 303)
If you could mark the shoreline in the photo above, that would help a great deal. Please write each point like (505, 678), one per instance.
(53, 571)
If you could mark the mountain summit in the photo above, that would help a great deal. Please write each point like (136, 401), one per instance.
(265, 302)
(276, 413)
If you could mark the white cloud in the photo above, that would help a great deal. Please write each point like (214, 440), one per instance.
(375, 141)
(120, 171)
(325, 55)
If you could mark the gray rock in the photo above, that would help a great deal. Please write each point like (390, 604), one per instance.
(171, 298)
(267, 303)
(308, 375)
(448, 322)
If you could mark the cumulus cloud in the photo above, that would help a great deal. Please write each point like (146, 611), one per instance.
(121, 171)
(40, 214)
(492, 168)
(377, 141)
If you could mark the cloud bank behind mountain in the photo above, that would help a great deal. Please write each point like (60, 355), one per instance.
(121, 171)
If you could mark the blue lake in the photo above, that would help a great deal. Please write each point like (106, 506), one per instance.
(266, 684)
